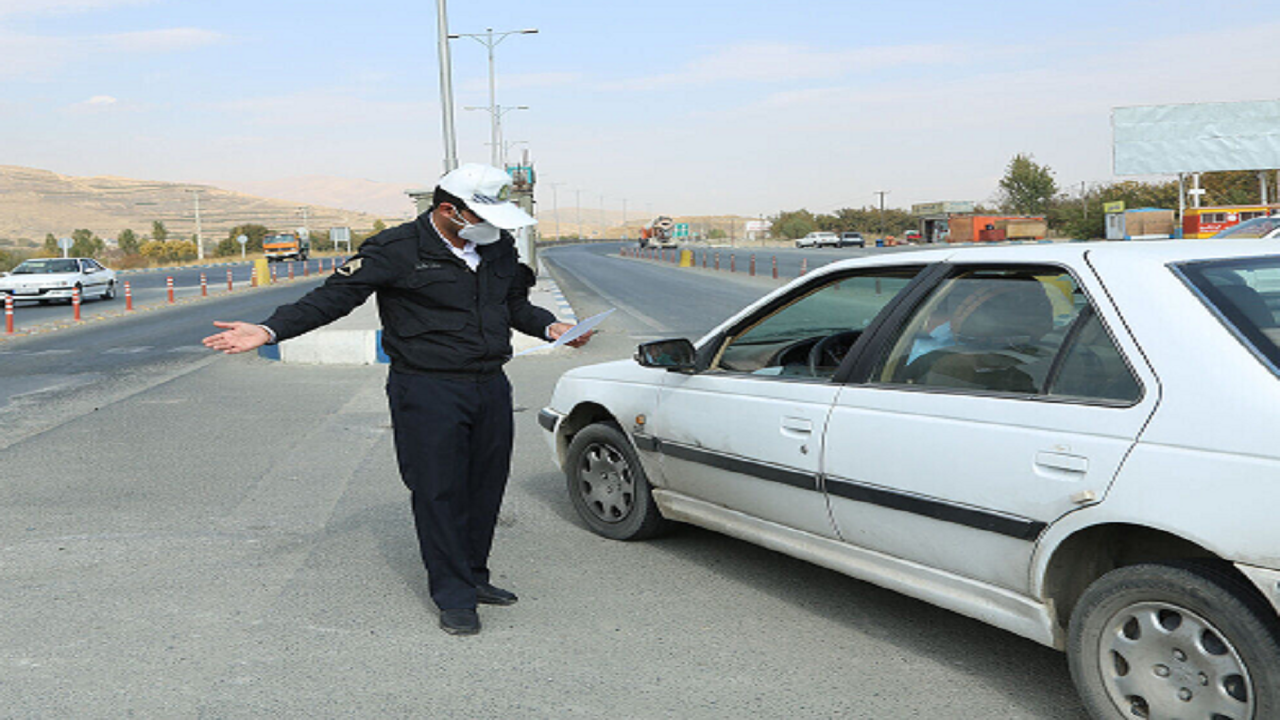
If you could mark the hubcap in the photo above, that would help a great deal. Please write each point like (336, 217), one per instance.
(1159, 660)
(605, 483)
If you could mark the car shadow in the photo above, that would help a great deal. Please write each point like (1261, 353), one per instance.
(1034, 678)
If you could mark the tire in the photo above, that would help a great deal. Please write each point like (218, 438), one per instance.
(1184, 640)
(608, 486)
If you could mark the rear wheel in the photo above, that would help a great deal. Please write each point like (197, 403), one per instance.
(1165, 641)
(608, 486)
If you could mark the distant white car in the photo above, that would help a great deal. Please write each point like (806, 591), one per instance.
(1075, 442)
(45, 279)
(819, 239)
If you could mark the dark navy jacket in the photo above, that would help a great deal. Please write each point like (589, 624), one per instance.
(437, 315)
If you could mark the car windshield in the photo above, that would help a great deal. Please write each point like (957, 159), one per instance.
(45, 267)
(1245, 294)
(1252, 229)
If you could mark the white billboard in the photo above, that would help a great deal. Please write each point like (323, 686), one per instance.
(1200, 137)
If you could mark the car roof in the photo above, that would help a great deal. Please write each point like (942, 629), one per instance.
(1146, 252)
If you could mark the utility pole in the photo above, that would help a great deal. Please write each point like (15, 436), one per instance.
(555, 207)
(305, 217)
(497, 111)
(487, 38)
(882, 193)
(446, 87)
(195, 194)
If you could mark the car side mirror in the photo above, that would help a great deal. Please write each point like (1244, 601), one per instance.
(676, 355)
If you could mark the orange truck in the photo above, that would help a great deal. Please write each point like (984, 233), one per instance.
(994, 228)
(286, 246)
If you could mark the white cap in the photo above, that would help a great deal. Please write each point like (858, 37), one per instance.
(484, 189)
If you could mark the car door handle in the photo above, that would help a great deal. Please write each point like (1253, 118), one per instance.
(800, 426)
(1062, 461)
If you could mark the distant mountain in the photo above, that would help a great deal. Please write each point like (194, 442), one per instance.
(35, 202)
(368, 196)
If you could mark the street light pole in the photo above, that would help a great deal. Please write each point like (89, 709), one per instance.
(881, 193)
(195, 194)
(487, 38)
(497, 111)
(446, 87)
(555, 207)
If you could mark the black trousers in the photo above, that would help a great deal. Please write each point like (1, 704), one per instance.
(453, 443)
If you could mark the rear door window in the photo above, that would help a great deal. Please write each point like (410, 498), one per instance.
(1245, 295)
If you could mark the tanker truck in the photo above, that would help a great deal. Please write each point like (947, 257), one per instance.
(660, 232)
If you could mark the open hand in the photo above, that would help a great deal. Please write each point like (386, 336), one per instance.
(237, 337)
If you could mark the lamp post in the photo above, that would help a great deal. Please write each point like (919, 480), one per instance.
(490, 40)
(446, 87)
(555, 207)
(497, 111)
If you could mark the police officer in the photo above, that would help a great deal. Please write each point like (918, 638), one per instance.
(450, 289)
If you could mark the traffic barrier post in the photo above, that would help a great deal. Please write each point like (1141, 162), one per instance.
(230, 285)
(128, 296)
(75, 302)
(169, 284)
(704, 259)
(717, 261)
(8, 314)
(291, 264)
(733, 263)
(752, 271)
(775, 267)
(804, 266)
(273, 274)
(306, 268)
(204, 286)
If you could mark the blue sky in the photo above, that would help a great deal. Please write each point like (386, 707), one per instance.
(679, 107)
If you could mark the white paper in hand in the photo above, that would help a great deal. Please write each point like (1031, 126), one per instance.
(572, 333)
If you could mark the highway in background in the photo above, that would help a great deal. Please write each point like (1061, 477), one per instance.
(51, 375)
(149, 287)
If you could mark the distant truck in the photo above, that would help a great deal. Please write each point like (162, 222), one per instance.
(286, 246)
(661, 232)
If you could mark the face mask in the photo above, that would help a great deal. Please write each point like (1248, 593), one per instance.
(481, 233)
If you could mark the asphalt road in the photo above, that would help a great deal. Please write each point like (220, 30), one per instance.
(228, 537)
(149, 287)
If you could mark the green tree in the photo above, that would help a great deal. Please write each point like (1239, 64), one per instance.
(226, 248)
(792, 224)
(1027, 187)
(253, 231)
(51, 248)
(86, 244)
(378, 226)
(128, 242)
(159, 232)
(717, 234)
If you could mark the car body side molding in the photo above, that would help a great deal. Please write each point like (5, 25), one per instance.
(1011, 525)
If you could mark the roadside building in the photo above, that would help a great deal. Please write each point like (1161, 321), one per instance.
(1204, 222)
(1138, 223)
(935, 218)
(996, 228)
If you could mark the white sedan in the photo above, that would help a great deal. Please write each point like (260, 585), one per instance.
(1266, 227)
(46, 279)
(1073, 442)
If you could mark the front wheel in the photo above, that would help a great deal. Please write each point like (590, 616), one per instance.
(1165, 641)
(608, 486)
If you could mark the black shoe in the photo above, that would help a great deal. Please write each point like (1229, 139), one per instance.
(460, 621)
(490, 595)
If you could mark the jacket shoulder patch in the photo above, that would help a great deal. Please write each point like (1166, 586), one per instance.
(349, 268)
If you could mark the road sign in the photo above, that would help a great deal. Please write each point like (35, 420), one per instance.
(65, 243)
(682, 230)
(242, 239)
(304, 233)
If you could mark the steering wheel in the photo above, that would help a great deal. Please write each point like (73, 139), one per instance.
(829, 352)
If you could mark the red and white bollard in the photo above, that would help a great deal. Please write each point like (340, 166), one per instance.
(204, 286)
(253, 276)
(230, 284)
(168, 282)
(306, 268)
(804, 266)
(75, 302)
(752, 271)
(775, 267)
(128, 296)
(273, 273)
(733, 263)
(291, 270)
(717, 262)
(8, 314)
(704, 259)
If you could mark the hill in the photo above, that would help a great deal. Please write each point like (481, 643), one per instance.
(35, 202)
